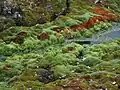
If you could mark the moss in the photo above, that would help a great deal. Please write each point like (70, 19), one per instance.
(91, 61)
(32, 12)
(6, 23)
(61, 71)
(28, 75)
(35, 85)
(88, 34)
(76, 34)
(97, 68)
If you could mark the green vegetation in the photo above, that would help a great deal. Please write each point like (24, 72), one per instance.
(40, 58)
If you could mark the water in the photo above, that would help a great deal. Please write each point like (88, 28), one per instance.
(102, 37)
(109, 35)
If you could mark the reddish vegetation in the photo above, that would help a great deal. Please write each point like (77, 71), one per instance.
(100, 11)
(5, 67)
(19, 37)
(75, 27)
(102, 15)
(73, 85)
(43, 36)
(107, 15)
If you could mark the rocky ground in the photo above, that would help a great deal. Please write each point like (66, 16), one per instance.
(38, 56)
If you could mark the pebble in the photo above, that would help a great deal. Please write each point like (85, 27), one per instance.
(114, 83)
(30, 88)
(37, 66)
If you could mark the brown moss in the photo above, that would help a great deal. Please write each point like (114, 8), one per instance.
(43, 36)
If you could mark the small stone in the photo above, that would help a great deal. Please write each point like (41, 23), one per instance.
(37, 66)
(30, 88)
(72, 71)
(83, 59)
(35, 74)
(88, 66)
(114, 83)
(113, 68)
(78, 63)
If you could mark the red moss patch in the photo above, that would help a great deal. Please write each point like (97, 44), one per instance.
(103, 15)
(75, 28)
(100, 11)
(43, 36)
(20, 37)
(84, 25)
(107, 15)
(5, 67)
(74, 84)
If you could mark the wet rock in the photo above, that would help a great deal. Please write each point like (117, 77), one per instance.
(45, 76)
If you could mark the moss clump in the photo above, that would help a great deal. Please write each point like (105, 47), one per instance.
(91, 61)
(61, 71)
(6, 23)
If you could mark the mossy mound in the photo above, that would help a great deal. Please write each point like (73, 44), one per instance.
(6, 23)
(29, 60)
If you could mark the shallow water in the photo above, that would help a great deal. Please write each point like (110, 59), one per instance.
(101, 37)
(109, 35)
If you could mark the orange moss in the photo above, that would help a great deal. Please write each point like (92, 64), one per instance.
(91, 22)
(107, 15)
(19, 37)
(104, 15)
(5, 67)
(84, 25)
(43, 36)
(75, 28)
(100, 11)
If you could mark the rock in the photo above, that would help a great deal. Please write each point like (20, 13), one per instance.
(45, 76)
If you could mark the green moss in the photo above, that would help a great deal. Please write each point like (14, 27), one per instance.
(88, 34)
(35, 85)
(91, 61)
(6, 23)
(96, 68)
(61, 71)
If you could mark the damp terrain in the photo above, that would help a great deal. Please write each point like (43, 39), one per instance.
(59, 45)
